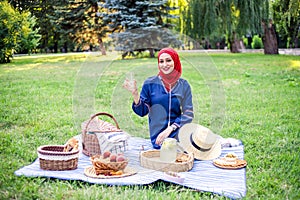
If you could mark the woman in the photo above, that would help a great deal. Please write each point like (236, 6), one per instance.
(166, 98)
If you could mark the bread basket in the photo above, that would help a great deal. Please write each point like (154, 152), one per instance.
(102, 166)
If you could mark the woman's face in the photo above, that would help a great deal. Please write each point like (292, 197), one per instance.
(166, 63)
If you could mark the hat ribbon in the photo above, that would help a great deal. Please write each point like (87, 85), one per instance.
(196, 146)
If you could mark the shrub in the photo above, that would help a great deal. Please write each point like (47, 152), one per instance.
(257, 42)
(245, 41)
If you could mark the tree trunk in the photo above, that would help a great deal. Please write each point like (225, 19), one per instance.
(234, 44)
(66, 47)
(56, 38)
(102, 48)
(151, 51)
(269, 39)
(55, 47)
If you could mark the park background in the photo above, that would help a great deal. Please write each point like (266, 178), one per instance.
(38, 26)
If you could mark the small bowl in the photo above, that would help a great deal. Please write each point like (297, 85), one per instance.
(231, 157)
(174, 177)
(231, 160)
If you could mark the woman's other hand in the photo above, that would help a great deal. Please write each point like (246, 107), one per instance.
(163, 135)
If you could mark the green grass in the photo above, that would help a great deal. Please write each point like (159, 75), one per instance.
(252, 97)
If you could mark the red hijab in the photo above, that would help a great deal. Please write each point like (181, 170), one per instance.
(170, 80)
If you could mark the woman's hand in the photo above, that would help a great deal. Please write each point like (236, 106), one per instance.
(163, 135)
(131, 87)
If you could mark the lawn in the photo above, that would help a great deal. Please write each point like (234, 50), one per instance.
(251, 97)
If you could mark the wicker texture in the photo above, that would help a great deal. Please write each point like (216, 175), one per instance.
(90, 142)
(151, 160)
(52, 157)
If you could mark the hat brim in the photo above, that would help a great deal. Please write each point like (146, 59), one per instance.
(184, 140)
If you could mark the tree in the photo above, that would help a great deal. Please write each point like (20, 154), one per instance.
(41, 9)
(287, 19)
(30, 37)
(15, 28)
(79, 21)
(64, 24)
(181, 6)
(141, 39)
(138, 24)
(232, 18)
(238, 18)
(269, 38)
(9, 31)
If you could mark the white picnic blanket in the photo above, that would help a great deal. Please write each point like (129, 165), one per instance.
(204, 176)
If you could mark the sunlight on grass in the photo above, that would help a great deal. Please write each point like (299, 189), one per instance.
(234, 62)
(55, 58)
(23, 67)
(295, 64)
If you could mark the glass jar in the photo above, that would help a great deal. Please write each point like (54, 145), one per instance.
(168, 150)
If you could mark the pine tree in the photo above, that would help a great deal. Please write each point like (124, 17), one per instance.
(139, 25)
(78, 20)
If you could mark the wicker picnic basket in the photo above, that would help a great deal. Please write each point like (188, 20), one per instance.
(52, 157)
(90, 128)
(151, 159)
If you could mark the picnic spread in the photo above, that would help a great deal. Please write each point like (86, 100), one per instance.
(119, 159)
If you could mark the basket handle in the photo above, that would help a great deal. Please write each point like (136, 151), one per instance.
(97, 114)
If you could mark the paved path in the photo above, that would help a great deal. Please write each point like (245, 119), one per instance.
(295, 52)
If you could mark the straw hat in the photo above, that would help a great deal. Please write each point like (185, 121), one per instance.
(199, 140)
